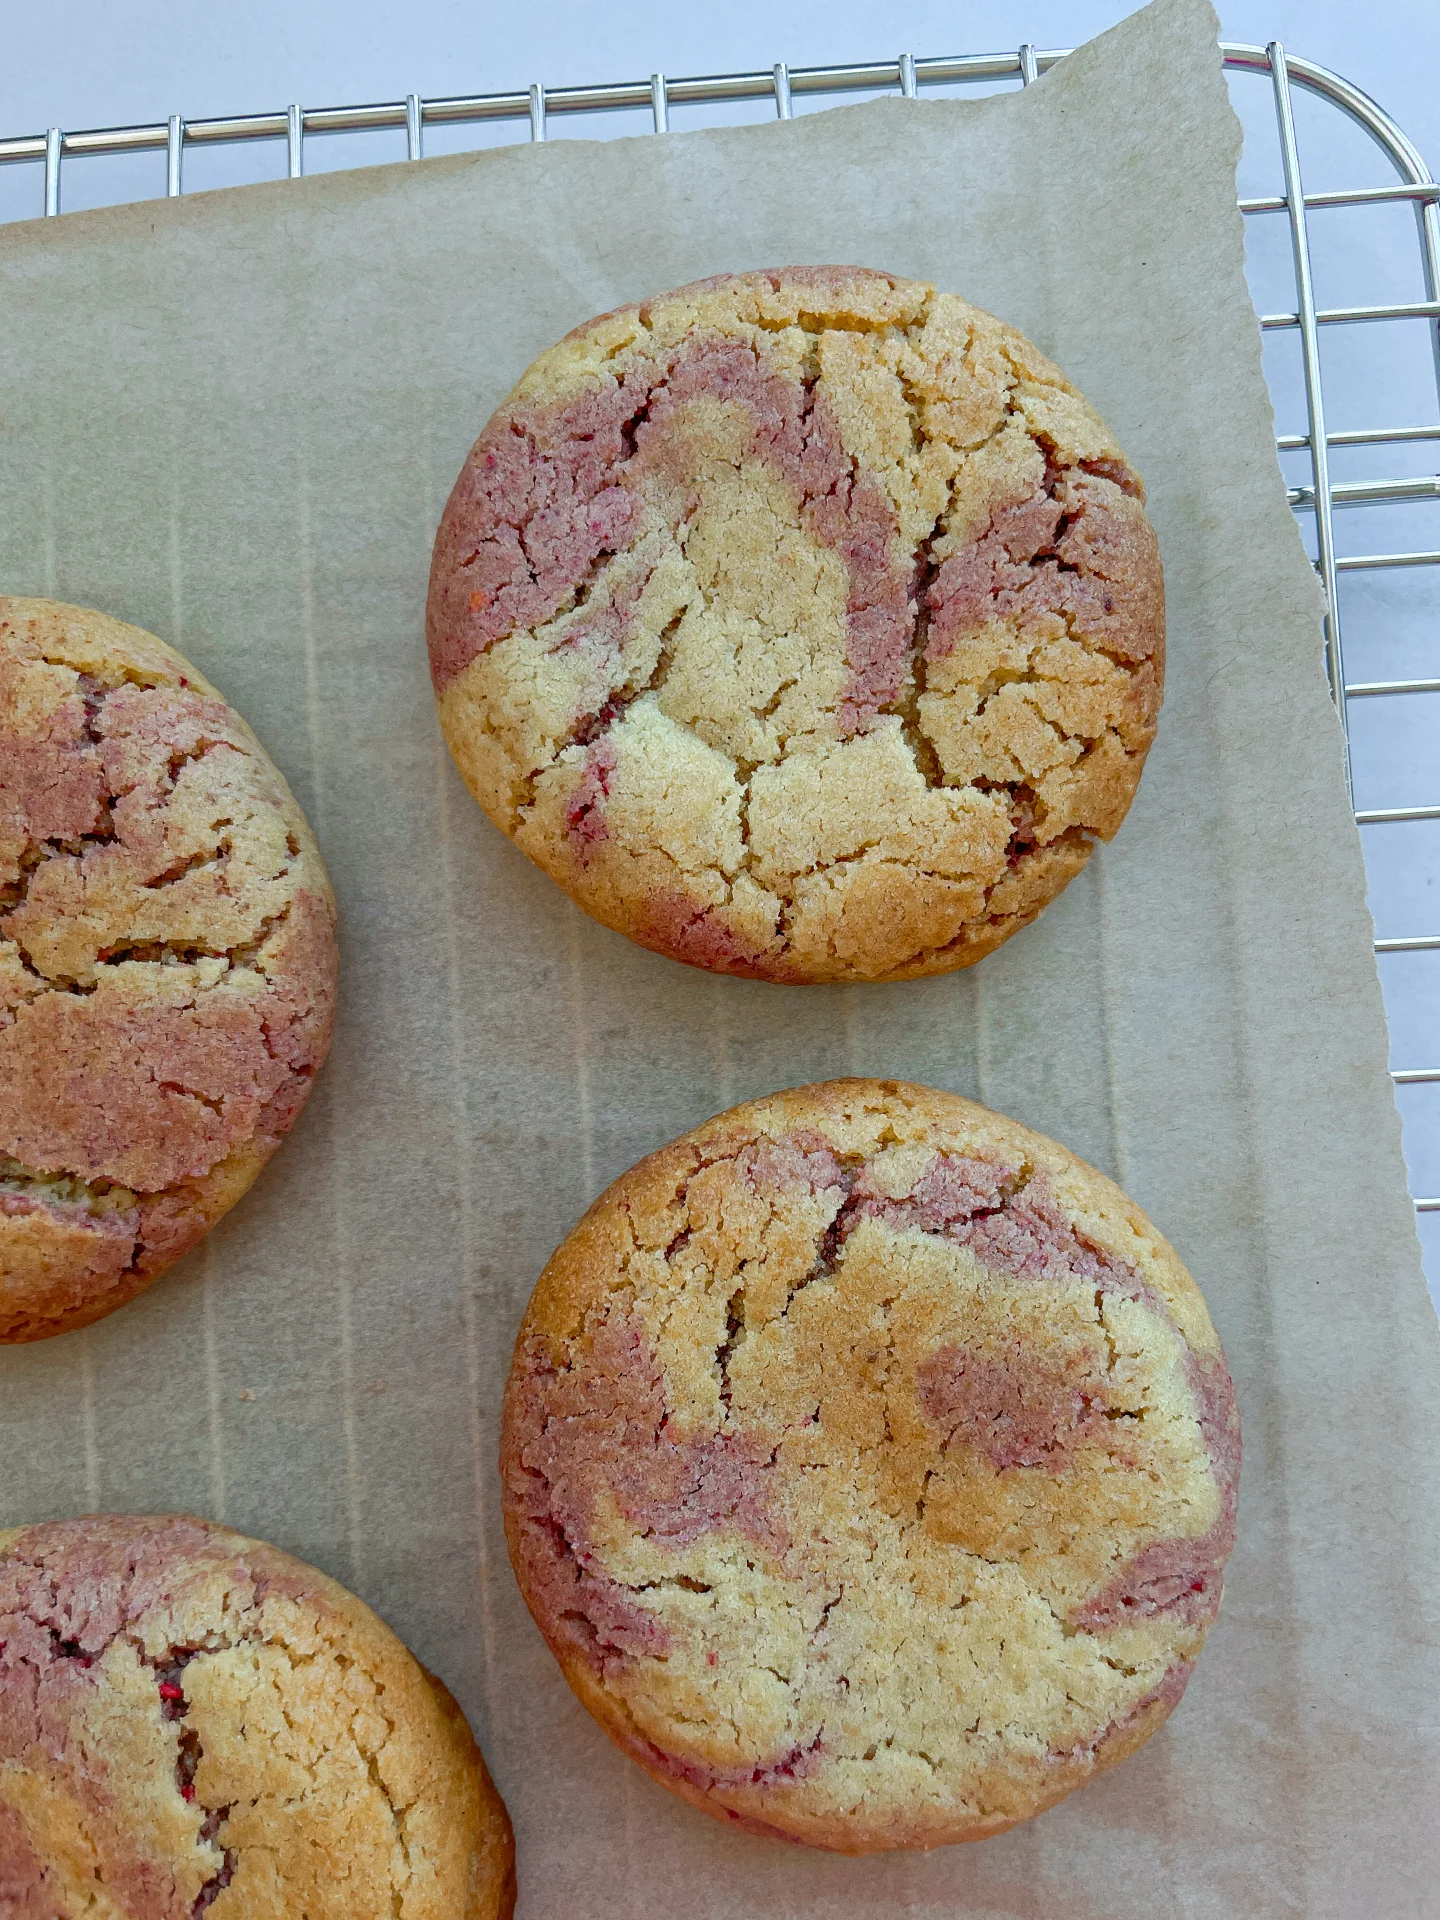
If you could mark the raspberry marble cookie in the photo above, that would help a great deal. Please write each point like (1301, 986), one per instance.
(802, 625)
(870, 1467)
(167, 962)
(194, 1722)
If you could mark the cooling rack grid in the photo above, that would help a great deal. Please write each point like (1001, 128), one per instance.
(1354, 582)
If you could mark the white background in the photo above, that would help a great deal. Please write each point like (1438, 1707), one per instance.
(89, 63)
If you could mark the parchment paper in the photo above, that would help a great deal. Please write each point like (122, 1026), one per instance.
(234, 420)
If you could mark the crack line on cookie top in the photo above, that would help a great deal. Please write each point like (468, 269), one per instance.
(38, 852)
(109, 1202)
(902, 701)
(244, 956)
(175, 1707)
(1012, 1185)
(169, 1667)
(926, 567)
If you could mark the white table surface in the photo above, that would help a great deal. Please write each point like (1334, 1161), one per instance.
(95, 63)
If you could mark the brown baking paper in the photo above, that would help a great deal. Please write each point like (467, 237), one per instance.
(234, 419)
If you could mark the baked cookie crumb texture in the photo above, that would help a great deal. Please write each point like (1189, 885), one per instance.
(167, 962)
(192, 1722)
(803, 625)
(870, 1467)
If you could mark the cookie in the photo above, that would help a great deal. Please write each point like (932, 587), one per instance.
(167, 962)
(194, 1722)
(870, 1467)
(802, 625)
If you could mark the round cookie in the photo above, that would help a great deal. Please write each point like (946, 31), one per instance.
(802, 625)
(167, 962)
(194, 1722)
(870, 1467)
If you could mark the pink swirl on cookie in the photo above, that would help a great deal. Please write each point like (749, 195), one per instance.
(547, 492)
(1019, 1409)
(799, 1761)
(1074, 549)
(1035, 1410)
(792, 428)
(167, 962)
(673, 923)
(147, 1665)
(150, 1094)
(535, 506)
(847, 578)
(599, 1428)
(841, 1441)
(24, 1892)
(585, 810)
(803, 1159)
(1007, 1217)
(851, 584)
(65, 1599)
(1182, 1577)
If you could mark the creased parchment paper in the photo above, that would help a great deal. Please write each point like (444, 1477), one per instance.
(234, 420)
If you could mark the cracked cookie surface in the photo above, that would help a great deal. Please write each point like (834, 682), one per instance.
(167, 962)
(192, 1722)
(802, 625)
(870, 1467)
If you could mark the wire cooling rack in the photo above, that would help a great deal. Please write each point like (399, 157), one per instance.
(1318, 500)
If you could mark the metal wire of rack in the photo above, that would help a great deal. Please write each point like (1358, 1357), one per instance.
(1322, 498)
